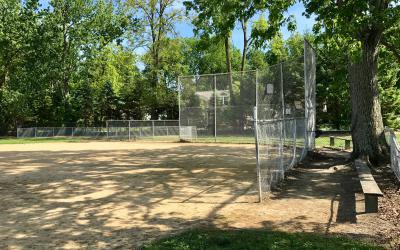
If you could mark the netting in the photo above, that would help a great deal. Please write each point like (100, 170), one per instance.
(285, 117)
(219, 106)
(275, 105)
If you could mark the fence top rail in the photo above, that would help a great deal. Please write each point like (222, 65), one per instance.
(142, 120)
(62, 128)
(278, 119)
(245, 71)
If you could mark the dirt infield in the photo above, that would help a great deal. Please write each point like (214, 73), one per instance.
(121, 194)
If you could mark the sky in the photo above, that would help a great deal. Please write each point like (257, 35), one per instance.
(304, 24)
(185, 29)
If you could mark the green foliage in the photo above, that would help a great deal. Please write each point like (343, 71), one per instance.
(389, 83)
(78, 62)
(254, 239)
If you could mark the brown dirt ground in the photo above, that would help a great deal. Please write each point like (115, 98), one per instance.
(121, 194)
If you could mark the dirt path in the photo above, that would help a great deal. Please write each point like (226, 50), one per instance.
(321, 195)
(120, 194)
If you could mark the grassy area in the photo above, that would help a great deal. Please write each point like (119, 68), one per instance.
(226, 139)
(254, 239)
(323, 141)
(10, 140)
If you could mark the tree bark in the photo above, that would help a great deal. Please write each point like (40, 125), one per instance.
(245, 44)
(229, 67)
(366, 121)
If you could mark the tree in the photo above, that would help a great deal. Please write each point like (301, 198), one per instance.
(158, 19)
(364, 23)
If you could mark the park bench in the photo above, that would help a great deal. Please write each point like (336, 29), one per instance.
(370, 189)
(347, 142)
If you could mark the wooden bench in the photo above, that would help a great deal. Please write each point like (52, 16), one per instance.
(370, 189)
(347, 142)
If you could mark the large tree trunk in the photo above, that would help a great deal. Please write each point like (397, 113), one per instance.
(245, 44)
(366, 121)
(229, 66)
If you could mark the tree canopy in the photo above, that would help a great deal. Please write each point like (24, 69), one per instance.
(79, 63)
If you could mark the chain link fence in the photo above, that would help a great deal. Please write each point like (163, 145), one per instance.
(285, 117)
(219, 106)
(394, 151)
(42, 132)
(275, 105)
(115, 129)
(133, 129)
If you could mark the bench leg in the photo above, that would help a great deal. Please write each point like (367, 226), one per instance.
(371, 203)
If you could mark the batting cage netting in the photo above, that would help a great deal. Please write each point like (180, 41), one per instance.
(275, 107)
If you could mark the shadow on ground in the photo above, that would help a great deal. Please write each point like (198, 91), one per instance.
(112, 195)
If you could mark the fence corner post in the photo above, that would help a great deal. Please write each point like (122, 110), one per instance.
(152, 125)
(129, 130)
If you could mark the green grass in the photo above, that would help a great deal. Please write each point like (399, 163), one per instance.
(254, 239)
(323, 141)
(226, 139)
(9, 140)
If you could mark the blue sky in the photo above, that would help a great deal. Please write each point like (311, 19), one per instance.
(185, 29)
(304, 24)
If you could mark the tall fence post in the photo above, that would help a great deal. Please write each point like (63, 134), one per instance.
(257, 154)
(129, 130)
(35, 131)
(107, 129)
(215, 108)
(283, 128)
(152, 125)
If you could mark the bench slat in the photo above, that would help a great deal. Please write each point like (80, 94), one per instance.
(367, 181)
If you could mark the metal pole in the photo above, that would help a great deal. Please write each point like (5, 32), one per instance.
(257, 155)
(152, 125)
(256, 104)
(129, 130)
(283, 132)
(215, 108)
(283, 98)
(294, 141)
(107, 129)
(306, 104)
(35, 131)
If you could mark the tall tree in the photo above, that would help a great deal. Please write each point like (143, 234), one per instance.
(158, 23)
(365, 24)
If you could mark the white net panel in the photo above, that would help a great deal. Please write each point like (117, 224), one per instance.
(188, 133)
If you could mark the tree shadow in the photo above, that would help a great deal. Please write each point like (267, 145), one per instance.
(111, 198)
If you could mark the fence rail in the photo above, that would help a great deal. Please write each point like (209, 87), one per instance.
(119, 132)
